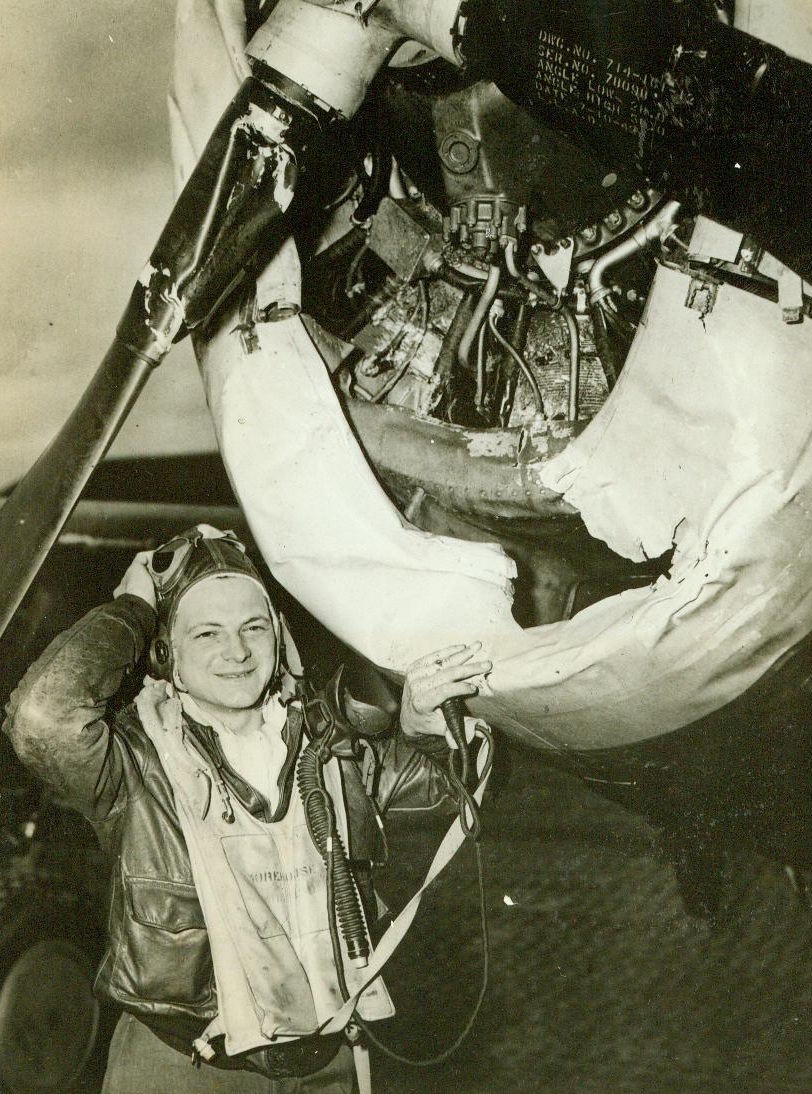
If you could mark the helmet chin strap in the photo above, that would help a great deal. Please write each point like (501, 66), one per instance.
(177, 683)
(280, 664)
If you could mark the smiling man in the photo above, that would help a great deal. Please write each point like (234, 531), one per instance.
(223, 947)
(225, 646)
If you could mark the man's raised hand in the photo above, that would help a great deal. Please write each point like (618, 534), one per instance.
(432, 679)
(137, 579)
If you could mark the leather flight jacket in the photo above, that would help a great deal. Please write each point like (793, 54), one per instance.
(158, 964)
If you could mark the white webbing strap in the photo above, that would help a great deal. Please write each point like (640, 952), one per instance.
(394, 934)
(363, 1071)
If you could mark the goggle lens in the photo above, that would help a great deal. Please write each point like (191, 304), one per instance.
(166, 564)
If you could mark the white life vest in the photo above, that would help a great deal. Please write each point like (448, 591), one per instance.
(262, 889)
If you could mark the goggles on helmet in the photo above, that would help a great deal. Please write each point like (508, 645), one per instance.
(168, 564)
(198, 553)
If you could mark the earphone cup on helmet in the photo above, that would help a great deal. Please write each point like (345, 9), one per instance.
(160, 656)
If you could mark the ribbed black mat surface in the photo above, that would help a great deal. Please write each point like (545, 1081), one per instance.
(600, 982)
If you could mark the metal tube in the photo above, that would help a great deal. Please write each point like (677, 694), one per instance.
(467, 269)
(480, 315)
(533, 287)
(523, 365)
(645, 234)
(575, 364)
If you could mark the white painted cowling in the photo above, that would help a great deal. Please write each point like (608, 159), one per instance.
(705, 442)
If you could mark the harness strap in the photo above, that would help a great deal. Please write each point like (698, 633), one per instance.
(363, 1071)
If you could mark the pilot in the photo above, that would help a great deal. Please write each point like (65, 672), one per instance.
(221, 950)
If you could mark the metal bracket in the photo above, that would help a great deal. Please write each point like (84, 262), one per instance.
(791, 296)
(702, 295)
(557, 265)
(751, 253)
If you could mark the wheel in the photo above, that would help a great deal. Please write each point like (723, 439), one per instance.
(49, 1020)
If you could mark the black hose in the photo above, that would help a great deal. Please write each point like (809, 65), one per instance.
(472, 285)
(335, 942)
(446, 1053)
(322, 827)
(337, 253)
(545, 298)
(454, 714)
(601, 335)
(447, 357)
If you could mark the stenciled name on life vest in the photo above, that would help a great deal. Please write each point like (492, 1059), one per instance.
(261, 877)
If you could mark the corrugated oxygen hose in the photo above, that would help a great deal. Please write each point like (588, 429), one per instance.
(321, 824)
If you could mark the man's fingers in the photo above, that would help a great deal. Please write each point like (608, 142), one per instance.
(429, 691)
(441, 659)
(458, 689)
(137, 579)
(455, 672)
(445, 674)
(433, 697)
(464, 672)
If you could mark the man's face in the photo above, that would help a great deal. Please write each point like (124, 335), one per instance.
(224, 644)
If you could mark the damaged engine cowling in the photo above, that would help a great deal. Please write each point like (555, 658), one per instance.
(479, 318)
(464, 451)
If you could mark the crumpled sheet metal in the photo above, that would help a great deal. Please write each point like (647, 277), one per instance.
(488, 475)
(705, 442)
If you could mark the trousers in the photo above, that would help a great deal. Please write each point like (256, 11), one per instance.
(140, 1063)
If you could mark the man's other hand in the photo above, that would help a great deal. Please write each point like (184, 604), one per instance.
(137, 579)
(434, 678)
